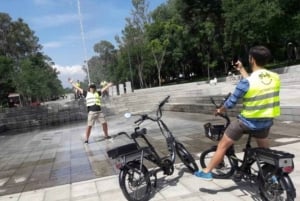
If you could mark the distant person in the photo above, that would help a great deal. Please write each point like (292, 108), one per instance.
(213, 81)
(105, 93)
(93, 103)
(261, 104)
(77, 92)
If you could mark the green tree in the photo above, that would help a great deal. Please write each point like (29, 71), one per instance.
(135, 38)
(245, 29)
(199, 37)
(158, 49)
(203, 24)
(36, 80)
(17, 39)
(102, 65)
(6, 66)
(24, 69)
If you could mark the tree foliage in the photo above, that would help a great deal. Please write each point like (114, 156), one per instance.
(198, 38)
(101, 64)
(23, 67)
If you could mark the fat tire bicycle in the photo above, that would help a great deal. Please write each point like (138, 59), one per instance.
(272, 167)
(135, 179)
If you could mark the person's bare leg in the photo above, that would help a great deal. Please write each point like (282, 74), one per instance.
(223, 145)
(88, 132)
(262, 142)
(105, 129)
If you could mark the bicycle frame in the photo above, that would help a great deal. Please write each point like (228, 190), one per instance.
(245, 163)
(152, 154)
(254, 155)
(138, 152)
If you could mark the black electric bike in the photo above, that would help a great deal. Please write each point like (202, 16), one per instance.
(267, 167)
(135, 179)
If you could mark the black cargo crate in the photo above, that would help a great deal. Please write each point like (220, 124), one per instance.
(274, 157)
(122, 150)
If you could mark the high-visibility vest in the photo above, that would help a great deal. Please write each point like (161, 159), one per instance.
(103, 84)
(92, 99)
(262, 98)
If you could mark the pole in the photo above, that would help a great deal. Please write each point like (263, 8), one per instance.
(130, 68)
(83, 41)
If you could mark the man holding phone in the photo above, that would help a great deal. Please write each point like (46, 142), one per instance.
(261, 104)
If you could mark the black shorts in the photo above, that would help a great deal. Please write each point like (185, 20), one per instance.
(237, 128)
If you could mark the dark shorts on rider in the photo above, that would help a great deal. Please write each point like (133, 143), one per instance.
(237, 128)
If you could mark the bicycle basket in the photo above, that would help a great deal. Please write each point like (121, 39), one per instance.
(214, 132)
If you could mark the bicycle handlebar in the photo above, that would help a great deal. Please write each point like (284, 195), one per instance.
(143, 118)
(163, 102)
(124, 133)
(226, 97)
(134, 135)
(223, 101)
(225, 116)
(158, 113)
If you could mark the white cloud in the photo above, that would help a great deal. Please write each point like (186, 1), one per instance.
(55, 20)
(75, 72)
(53, 44)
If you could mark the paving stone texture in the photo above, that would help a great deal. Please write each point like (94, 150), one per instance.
(56, 165)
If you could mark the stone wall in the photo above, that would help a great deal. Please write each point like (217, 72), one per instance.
(24, 118)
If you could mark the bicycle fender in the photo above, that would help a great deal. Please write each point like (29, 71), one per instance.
(288, 185)
(124, 167)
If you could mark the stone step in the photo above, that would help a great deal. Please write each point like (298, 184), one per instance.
(288, 113)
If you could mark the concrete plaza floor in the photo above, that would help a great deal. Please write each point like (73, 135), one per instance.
(55, 164)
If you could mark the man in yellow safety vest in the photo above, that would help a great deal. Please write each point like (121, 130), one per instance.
(93, 103)
(260, 94)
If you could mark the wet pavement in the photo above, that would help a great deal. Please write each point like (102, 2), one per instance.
(36, 160)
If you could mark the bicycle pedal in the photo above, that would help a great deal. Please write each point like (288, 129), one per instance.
(154, 184)
(237, 177)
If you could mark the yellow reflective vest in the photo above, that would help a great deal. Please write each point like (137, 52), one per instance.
(262, 98)
(92, 99)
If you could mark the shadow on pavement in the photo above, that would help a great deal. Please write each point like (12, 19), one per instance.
(247, 189)
(165, 181)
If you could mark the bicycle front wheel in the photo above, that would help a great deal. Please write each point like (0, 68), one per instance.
(186, 157)
(224, 170)
(135, 182)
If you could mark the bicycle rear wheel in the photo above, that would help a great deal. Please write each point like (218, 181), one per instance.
(186, 157)
(274, 188)
(135, 182)
(224, 170)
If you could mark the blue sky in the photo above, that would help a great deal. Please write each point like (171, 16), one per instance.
(56, 24)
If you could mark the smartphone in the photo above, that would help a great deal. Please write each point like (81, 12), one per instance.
(234, 60)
